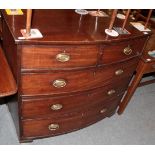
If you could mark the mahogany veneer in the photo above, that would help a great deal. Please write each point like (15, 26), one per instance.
(43, 83)
(39, 127)
(31, 107)
(7, 81)
(74, 76)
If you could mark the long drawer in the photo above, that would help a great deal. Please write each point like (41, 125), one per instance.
(121, 51)
(56, 126)
(51, 83)
(60, 106)
(58, 57)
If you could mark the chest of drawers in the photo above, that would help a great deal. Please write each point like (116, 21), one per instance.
(67, 80)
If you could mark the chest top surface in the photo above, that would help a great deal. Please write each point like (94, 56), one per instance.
(66, 27)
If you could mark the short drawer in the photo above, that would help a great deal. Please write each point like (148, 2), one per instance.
(60, 106)
(58, 57)
(122, 51)
(52, 83)
(56, 126)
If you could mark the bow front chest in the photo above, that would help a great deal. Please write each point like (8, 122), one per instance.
(74, 76)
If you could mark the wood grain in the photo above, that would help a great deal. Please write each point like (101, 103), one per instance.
(39, 127)
(44, 57)
(62, 27)
(90, 73)
(7, 82)
(42, 83)
(72, 103)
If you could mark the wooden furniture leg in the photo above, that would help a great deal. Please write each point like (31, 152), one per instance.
(7, 83)
(131, 89)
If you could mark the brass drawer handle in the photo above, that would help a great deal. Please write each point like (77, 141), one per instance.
(53, 127)
(59, 83)
(63, 57)
(111, 92)
(127, 50)
(103, 110)
(119, 72)
(56, 107)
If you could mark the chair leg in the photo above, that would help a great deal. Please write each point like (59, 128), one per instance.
(131, 89)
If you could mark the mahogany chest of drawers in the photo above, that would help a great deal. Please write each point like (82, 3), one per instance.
(72, 77)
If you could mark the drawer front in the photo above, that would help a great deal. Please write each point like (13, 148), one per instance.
(56, 126)
(121, 51)
(58, 106)
(39, 57)
(74, 81)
